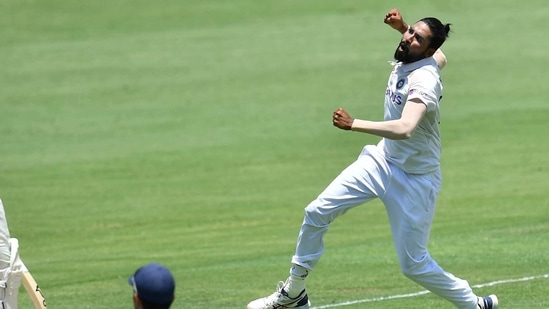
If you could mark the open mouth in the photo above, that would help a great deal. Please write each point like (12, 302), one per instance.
(402, 46)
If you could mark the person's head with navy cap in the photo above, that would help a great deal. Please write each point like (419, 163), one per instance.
(153, 287)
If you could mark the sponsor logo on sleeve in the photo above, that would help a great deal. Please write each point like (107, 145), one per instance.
(418, 93)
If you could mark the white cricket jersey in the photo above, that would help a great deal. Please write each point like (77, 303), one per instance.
(419, 154)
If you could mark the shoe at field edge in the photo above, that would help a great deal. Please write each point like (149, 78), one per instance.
(488, 302)
(280, 299)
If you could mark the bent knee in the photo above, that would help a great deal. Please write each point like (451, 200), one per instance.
(412, 267)
(317, 214)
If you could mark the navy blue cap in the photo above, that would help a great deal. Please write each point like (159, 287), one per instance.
(153, 283)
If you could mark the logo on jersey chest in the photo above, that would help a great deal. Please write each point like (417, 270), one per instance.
(400, 83)
(395, 96)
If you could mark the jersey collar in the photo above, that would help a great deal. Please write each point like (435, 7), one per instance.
(409, 67)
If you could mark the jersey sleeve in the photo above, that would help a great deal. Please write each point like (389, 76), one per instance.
(425, 86)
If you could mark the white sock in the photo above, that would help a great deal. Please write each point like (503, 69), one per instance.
(295, 284)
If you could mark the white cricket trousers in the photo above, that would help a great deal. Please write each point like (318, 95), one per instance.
(410, 201)
(8, 297)
(4, 239)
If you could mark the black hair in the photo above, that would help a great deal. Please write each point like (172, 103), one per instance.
(439, 30)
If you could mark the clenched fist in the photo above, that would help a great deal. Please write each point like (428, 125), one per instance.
(342, 119)
(395, 20)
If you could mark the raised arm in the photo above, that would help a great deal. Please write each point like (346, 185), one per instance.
(394, 19)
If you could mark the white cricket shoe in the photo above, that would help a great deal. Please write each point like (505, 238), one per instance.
(280, 299)
(488, 302)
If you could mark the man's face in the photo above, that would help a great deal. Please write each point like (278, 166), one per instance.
(414, 45)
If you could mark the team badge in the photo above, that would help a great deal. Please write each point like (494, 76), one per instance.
(400, 83)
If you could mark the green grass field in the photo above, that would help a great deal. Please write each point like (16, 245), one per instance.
(193, 133)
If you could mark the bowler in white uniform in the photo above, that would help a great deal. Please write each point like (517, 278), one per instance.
(402, 170)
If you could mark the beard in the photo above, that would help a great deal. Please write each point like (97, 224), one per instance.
(404, 55)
